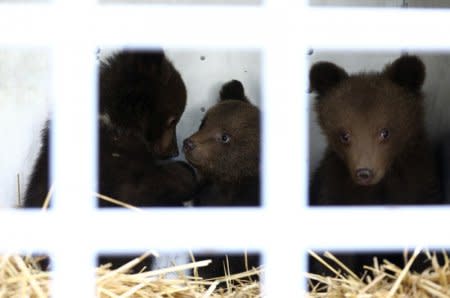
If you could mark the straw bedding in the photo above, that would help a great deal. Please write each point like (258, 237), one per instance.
(21, 277)
(383, 280)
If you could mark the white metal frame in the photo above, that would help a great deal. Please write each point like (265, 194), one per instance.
(73, 231)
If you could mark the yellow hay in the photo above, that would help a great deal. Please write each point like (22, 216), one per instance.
(21, 277)
(384, 281)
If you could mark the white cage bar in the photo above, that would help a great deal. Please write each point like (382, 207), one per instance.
(73, 232)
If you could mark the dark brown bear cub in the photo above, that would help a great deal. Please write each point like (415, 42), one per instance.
(378, 152)
(225, 152)
(142, 97)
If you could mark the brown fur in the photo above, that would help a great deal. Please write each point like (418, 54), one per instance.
(232, 162)
(129, 173)
(142, 97)
(353, 110)
(362, 105)
(231, 167)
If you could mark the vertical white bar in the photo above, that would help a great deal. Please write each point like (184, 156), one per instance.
(73, 142)
(285, 155)
(73, 166)
(285, 163)
(73, 273)
(73, 160)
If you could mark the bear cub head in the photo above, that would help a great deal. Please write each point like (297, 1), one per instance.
(225, 149)
(370, 118)
(143, 96)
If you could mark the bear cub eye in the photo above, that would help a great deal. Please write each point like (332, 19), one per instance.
(225, 138)
(344, 137)
(384, 134)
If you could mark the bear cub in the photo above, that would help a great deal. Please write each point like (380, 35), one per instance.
(141, 99)
(225, 152)
(377, 152)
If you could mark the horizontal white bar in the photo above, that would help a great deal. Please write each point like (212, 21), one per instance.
(232, 26)
(122, 230)
(186, 26)
(318, 228)
(376, 28)
(27, 24)
(185, 2)
(190, 26)
(377, 228)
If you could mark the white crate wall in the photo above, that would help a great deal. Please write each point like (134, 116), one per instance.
(73, 232)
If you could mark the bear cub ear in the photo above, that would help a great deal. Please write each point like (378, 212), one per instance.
(407, 71)
(325, 75)
(233, 90)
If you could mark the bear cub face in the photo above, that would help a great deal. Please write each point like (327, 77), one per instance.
(143, 96)
(225, 149)
(370, 118)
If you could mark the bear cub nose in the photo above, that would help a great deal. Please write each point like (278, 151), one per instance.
(188, 145)
(364, 175)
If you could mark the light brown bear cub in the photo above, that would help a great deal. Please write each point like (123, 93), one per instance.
(378, 152)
